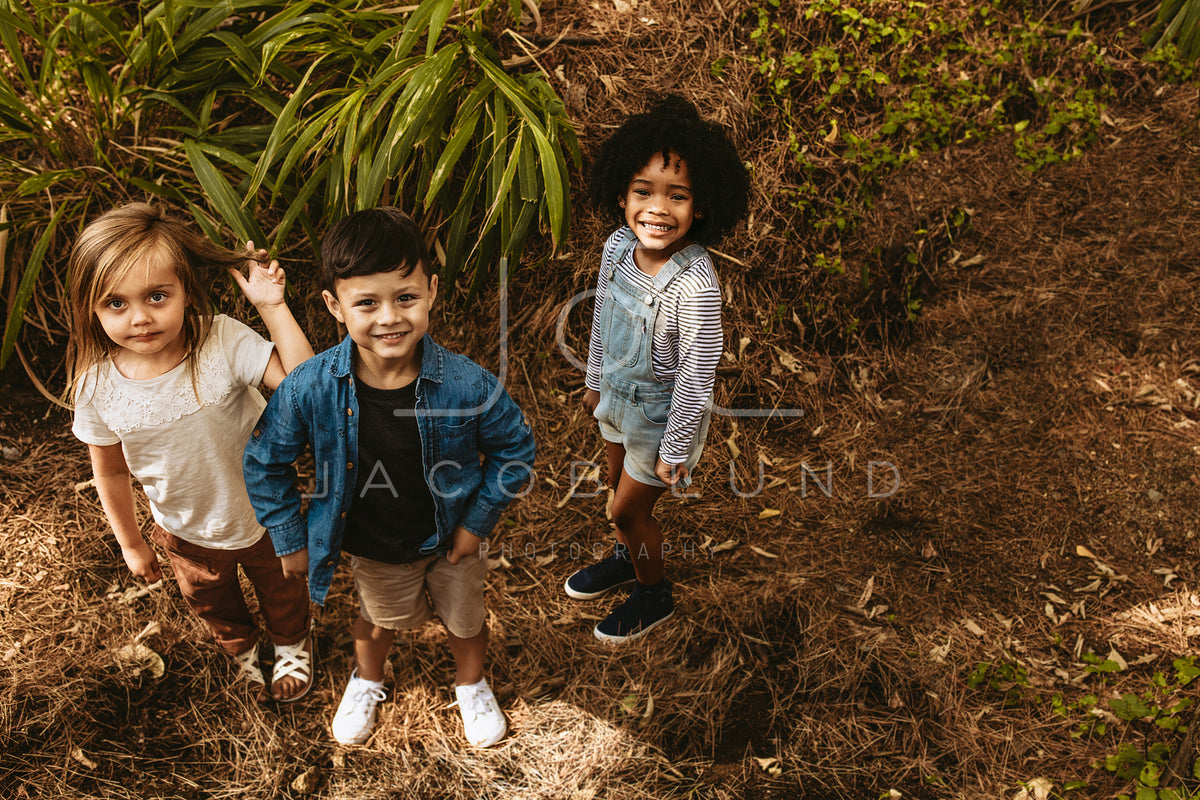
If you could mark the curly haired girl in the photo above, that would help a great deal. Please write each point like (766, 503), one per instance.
(674, 183)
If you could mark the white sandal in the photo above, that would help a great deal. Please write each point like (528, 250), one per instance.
(294, 661)
(250, 671)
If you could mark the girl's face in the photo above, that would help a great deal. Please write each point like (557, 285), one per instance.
(659, 208)
(143, 313)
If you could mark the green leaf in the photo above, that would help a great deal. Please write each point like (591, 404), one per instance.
(221, 195)
(1129, 707)
(29, 276)
(297, 204)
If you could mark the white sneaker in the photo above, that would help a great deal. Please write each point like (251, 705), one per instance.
(355, 717)
(483, 722)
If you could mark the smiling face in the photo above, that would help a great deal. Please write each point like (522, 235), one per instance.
(143, 315)
(386, 314)
(660, 209)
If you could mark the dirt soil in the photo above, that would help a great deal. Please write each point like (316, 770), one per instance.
(896, 594)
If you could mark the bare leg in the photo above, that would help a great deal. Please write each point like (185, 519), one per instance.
(633, 512)
(469, 655)
(371, 646)
(616, 468)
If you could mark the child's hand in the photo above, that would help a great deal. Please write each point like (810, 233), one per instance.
(670, 474)
(265, 281)
(591, 399)
(295, 565)
(466, 545)
(142, 562)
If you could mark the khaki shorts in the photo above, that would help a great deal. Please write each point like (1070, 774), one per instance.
(400, 597)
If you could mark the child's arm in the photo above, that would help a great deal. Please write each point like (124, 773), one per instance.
(506, 442)
(463, 544)
(595, 359)
(699, 350)
(264, 287)
(278, 439)
(116, 496)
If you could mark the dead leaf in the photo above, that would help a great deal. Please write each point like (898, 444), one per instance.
(306, 782)
(767, 513)
(771, 766)
(82, 758)
(645, 720)
(973, 627)
(1080, 550)
(868, 590)
(138, 657)
(151, 629)
(832, 136)
(789, 361)
(928, 550)
(762, 552)
(728, 544)
(1036, 789)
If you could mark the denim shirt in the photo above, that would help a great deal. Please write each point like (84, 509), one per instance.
(462, 411)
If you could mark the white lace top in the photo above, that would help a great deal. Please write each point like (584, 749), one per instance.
(186, 454)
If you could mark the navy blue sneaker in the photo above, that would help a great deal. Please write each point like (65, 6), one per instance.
(601, 577)
(646, 609)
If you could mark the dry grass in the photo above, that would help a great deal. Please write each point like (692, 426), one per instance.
(1046, 400)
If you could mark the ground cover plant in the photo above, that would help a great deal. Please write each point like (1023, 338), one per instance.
(967, 571)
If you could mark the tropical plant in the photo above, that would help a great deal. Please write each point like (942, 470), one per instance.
(1178, 22)
(242, 112)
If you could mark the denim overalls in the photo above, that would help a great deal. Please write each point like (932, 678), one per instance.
(634, 404)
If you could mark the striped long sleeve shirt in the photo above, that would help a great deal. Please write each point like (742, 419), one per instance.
(686, 349)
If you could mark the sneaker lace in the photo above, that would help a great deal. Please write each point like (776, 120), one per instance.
(474, 702)
(364, 697)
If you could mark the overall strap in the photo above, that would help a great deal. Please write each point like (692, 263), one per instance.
(677, 265)
(628, 242)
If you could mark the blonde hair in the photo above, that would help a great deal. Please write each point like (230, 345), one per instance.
(107, 250)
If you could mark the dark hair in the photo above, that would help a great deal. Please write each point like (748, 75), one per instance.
(720, 185)
(376, 240)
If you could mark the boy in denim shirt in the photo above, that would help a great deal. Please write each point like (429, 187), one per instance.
(397, 425)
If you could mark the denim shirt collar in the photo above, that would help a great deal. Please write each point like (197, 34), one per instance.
(432, 360)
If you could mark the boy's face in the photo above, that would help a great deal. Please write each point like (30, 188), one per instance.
(386, 314)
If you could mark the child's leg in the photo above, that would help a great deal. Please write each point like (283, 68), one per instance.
(457, 594)
(633, 513)
(208, 581)
(456, 591)
(371, 647)
(616, 469)
(469, 655)
(284, 605)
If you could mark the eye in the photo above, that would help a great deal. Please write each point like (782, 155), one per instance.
(642, 192)
(115, 303)
(364, 303)
(158, 297)
(406, 298)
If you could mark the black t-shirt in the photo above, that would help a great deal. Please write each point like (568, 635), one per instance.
(392, 511)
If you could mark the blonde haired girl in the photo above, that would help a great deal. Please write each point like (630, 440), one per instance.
(165, 391)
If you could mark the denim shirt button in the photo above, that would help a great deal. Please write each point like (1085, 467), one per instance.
(349, 412)
(349, 465)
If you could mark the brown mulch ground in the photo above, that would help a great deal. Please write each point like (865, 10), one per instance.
(1047, 401)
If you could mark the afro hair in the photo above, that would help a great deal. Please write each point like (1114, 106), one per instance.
(720, 185)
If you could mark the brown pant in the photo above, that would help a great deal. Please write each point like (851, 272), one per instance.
(208, 580)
